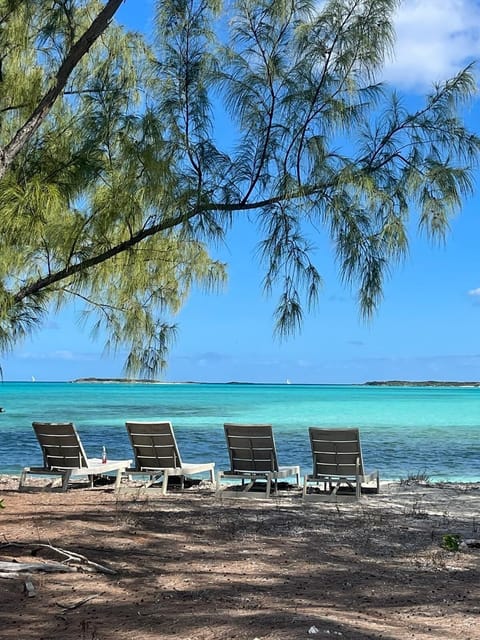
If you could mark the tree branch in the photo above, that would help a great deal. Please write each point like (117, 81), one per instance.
(76, 53)
(146, 232)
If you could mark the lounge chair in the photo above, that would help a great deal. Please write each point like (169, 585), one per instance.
(157, 454)
(338, 465)
(253, 457)
(64, 456)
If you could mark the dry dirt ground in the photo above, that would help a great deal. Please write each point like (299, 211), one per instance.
(193, 566)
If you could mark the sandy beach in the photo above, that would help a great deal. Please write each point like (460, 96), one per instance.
(191, 566)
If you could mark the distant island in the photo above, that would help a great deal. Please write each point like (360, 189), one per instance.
(147, 381)
(371, 383)
(421, 383)
(130, 380)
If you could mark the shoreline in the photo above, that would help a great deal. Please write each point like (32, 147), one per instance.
(456, 499)
(388, 487)
(409, 480)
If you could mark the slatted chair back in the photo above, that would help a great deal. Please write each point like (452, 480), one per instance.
(154, 445)
(336, 452)
(251, 447)
(60, 444)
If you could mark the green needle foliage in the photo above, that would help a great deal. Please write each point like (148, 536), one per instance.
(145, 153)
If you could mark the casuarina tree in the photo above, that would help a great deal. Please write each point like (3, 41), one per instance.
(125, 157)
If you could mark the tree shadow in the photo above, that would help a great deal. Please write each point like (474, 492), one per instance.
(191, 566)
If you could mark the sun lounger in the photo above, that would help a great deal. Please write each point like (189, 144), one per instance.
(157, 454)
(64, 456)
(337, 465)
(253, 458)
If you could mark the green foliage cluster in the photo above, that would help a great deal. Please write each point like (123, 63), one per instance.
(117, 193)
(451, 542)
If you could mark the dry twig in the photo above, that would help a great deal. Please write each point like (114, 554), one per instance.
(80, 561)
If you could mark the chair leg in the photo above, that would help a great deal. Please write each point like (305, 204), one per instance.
(118, 479)
(217, 484)
(275, 486)
(23, 478)
(358, 488)
(65, 479)
(269, 483)
(165, 482)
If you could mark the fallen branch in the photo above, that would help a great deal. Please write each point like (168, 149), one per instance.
(12, 576)
(81, 561)
(70, 607)
(473, 543)
(30, 567)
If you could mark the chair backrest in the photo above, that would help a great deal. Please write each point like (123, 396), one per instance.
(251, 447)
(154, 445)
(60, 444)
(336, 452)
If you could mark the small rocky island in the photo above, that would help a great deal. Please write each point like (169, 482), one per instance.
(421, 383)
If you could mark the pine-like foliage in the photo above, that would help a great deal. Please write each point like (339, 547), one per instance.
(87, 186)
(269, 109)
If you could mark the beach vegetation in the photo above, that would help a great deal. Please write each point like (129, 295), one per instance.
(420, 477)
(451, 542)
(125, 159)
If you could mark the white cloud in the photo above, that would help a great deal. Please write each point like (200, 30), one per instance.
(474, 292)
(435, 39)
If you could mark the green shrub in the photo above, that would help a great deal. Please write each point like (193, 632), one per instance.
(451, 542)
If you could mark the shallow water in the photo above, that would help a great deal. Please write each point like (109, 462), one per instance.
(405, 431)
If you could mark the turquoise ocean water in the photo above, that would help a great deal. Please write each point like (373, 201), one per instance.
(432, 430)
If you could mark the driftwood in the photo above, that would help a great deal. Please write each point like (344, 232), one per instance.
(79, 561)
(472, 543)
(31, 567)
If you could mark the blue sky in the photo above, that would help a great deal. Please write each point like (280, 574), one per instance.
(427, 326)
